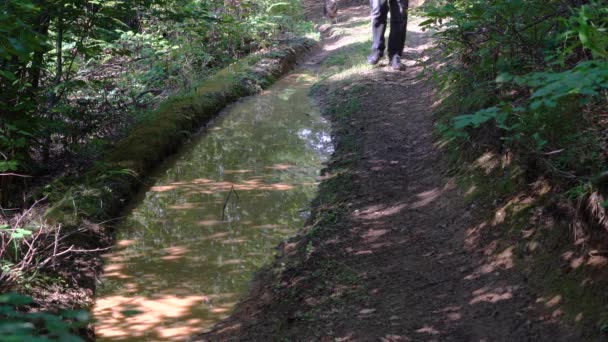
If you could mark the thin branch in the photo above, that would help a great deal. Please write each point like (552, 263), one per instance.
(554, 152)
(14, 175)
(227, 199)
(28, 211)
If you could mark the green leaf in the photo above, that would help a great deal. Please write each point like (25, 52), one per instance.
(15, 299)
(8, 75)
(20, 233)
(504, 77)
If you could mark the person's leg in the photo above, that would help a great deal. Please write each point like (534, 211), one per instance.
(379, 13)
(396, 39)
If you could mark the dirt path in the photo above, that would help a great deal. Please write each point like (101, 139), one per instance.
(393, 253)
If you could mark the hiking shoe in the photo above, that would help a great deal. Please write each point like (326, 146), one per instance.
(374, 58)
(396, 63)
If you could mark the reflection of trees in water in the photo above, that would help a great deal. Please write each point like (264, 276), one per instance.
(270, 150)
(270, 141)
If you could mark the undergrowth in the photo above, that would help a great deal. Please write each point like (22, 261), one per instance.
(523, 119)
(525, 76)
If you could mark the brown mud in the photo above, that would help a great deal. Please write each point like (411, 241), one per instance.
(393, 251)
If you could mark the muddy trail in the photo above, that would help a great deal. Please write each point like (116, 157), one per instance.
(392, 252)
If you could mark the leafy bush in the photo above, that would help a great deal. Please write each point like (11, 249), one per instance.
(19, 326)
(542, 68)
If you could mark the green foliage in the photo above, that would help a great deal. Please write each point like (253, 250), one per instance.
(17, 325)
(75, 75)
(543, 68)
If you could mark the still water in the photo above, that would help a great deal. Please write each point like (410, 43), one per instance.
(186, 253)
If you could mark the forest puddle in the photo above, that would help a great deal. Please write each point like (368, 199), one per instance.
(187, 252)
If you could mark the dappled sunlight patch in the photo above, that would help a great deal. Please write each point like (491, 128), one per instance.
(577, 262)
(174, 253)
(344, 338)
(532, 246)
(442, 144)
(426, 198)
(373, 234)
(592, 258)
(230, 172)
(280, 167)
(125, 243)
(451, 313)
(489, 295)
(281, 187)
(527, 233)
(116, 271)
(220, 310)
(505, 214)
(184, 206)
(471, 190)
(428, 329)
(197, 181)
(598, 261)
(503, 260)
(119, 255)
(573, 259)
(553, 301)
(208, 222)
(375, 212)
(146, 318)
(394, 338)
(163, 188)
(487, 162)
(216, 236)
(206, 186)
(359, 71)
(473, 235)
(234, 241)
(499, 216)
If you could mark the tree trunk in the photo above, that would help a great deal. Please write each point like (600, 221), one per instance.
(53, 98)
(42, 28)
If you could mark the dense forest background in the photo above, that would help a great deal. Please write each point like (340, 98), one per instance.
(76, 75)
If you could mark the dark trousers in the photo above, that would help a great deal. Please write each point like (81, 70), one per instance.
(396, 38)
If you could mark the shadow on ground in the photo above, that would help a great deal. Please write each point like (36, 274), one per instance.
(393, 251)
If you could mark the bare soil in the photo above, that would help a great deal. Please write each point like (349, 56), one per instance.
(393, 251)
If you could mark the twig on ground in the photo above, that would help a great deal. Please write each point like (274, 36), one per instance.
(29, 210)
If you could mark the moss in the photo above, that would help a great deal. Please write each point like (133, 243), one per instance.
(103, 191)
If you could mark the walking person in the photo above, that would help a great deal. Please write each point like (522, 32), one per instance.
(396, 38)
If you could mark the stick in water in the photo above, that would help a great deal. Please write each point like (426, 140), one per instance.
(227, 199)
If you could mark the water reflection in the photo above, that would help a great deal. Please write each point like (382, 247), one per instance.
(188, 250)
